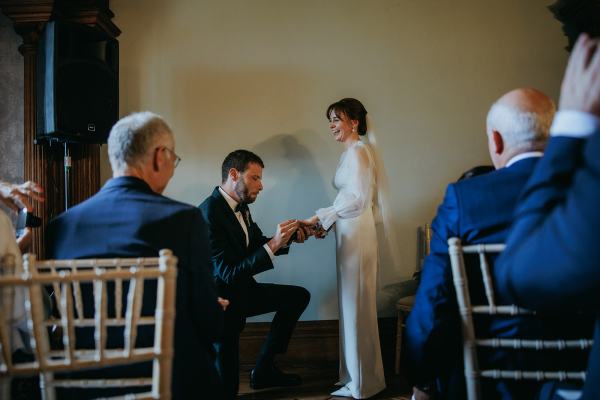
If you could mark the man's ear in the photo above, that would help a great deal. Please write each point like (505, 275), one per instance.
(156, 162)
(234, 174)
(498, 142)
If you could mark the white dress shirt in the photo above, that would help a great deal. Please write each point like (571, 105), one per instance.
(522, 156)
(575, 124)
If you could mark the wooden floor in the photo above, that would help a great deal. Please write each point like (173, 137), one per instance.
(317, 384)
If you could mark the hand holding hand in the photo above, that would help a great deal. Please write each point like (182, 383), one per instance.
(320, 232)
(283, 234)
(18, 196)
(580, 89)
(310, 222)
(302, 233)
(315, 227)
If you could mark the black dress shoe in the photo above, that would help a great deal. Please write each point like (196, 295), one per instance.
(260, 379)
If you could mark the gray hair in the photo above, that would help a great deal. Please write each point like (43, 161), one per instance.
(132, 137)
(520, 130)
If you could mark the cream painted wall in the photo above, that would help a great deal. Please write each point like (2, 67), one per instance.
(258, 74)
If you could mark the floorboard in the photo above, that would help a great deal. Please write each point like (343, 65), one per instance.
(318, 382)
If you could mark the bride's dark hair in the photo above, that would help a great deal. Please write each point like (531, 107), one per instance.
(353, 109)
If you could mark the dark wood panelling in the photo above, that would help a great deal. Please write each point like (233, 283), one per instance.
(313, 343)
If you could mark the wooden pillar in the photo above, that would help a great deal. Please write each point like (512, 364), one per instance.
(44, 163)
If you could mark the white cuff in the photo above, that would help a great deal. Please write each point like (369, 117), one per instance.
(269, 252)
(327, 216)
(575, 124)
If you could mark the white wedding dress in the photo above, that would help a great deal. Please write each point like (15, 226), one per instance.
(361, 368)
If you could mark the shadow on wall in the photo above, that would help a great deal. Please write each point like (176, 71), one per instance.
(295, 189)
(217, 111)
(214, 111)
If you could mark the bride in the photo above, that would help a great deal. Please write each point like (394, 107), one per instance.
(354, 213)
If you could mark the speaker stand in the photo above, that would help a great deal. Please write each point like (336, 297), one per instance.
(67, 175)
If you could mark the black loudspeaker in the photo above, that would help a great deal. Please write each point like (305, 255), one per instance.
(77, 84)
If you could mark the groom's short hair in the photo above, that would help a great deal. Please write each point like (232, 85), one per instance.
(239, 159)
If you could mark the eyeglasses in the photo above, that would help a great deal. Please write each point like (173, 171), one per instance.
(177, 158)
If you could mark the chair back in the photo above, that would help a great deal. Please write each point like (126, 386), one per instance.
(471, 342)
(118, 282)
(423, 246)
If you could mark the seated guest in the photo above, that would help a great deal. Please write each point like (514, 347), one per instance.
(12, 300)
(16, 197)
(129, 217)
(552, 259)
(476, 210)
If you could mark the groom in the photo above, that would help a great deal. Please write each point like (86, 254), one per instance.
(239, 250)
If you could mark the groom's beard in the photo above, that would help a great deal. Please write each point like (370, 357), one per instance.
(243, 193)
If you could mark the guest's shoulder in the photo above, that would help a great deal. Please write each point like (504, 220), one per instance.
(178, 206)
(479, 181)
(182, 214)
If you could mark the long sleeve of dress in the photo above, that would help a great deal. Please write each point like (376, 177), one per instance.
(354, 179)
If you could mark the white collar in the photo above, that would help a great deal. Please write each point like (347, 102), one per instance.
(522, 156)
(232, 203)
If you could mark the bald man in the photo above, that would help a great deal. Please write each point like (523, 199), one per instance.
(476, 210)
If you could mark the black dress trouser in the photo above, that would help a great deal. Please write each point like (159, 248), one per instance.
(288, 302)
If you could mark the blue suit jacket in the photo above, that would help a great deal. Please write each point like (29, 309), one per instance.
(476, 210)
(552, 261)
(127, 219)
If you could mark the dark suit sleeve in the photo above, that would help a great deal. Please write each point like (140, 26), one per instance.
(228, 264)
(430, 328)
(206, 311)
(552, 254)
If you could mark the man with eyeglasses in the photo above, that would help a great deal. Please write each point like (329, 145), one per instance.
(129, 217)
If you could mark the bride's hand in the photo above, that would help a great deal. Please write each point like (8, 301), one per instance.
(319, 232)
(310, 222)
(315, 227)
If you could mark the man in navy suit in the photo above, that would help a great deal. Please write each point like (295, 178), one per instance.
(552, 259)
(476, 210)
(240, 251)
(129, 217)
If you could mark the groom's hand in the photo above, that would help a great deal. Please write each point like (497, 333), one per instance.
(302, 233)
(283, 234)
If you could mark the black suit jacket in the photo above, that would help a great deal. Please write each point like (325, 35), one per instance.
(127, 219)
(234, 263)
